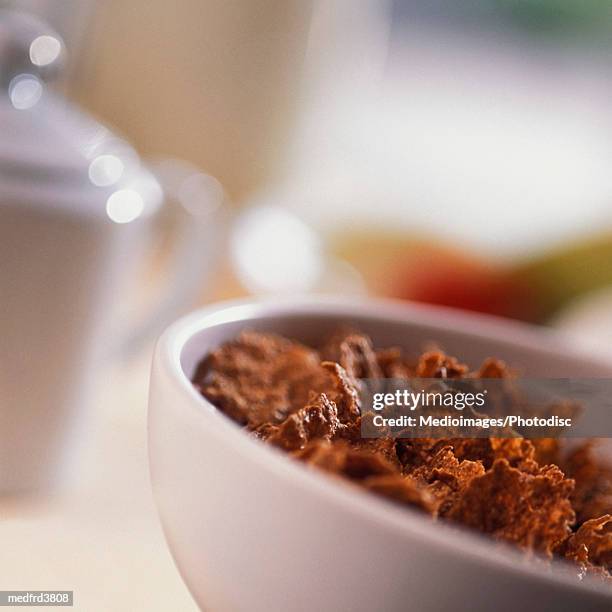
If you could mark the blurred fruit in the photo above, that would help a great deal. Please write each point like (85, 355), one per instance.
(428, 271)
(568, 272)
(470, 285)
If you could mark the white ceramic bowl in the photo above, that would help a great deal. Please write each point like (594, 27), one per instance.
(250, 529)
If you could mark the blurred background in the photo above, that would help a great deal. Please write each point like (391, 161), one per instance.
(450, 153)
(455, 154)
(444, 152)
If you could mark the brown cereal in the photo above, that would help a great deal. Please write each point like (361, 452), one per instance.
(342, 459)
(547, 451)
(530, 510)
(393, 364)
(435, 364)
(446, 478)
(403, 490)
(592, 496)
(318, 420)
(306, 403)
(591, 547)
(354, 352)
(261, 378)
(346, 395)
(493, 368)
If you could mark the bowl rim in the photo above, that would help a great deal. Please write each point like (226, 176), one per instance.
(402, 521)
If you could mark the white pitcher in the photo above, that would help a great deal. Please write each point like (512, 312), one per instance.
(76, 212)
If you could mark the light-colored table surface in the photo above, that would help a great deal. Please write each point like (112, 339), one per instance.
(100, 537)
